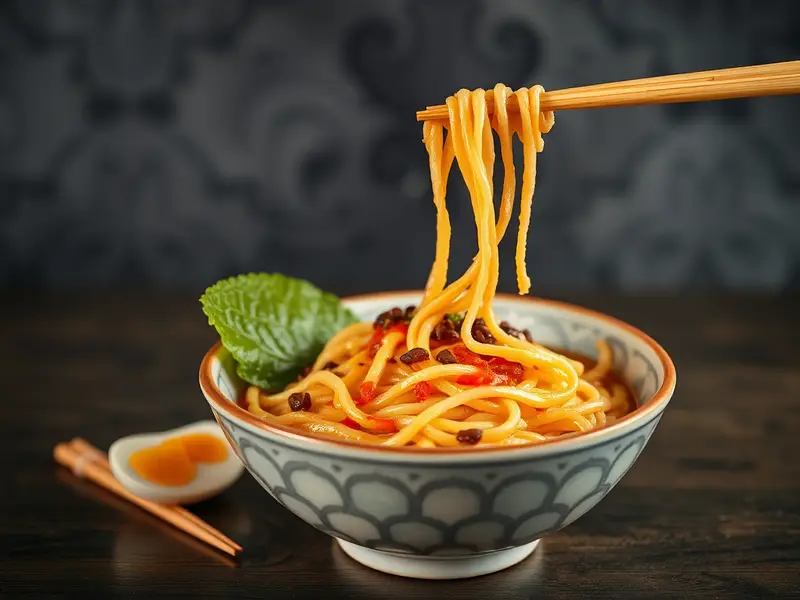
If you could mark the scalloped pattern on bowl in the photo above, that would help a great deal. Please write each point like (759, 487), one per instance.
(422, 511)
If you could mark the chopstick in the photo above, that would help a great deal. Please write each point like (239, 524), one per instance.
(87, 449)
(90, 463)
(739, 82)
(87, 489)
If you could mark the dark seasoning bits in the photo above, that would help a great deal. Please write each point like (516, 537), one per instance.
(481, 333)
(446, 331)
(387, 320)
(469, 436)
(414, 355)
(394, 316)
(446, 357)
(524, 334)
(299, 401)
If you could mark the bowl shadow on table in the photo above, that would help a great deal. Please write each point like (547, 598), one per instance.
(526, 579)
(140, 537)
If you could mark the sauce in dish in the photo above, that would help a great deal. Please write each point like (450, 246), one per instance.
(174, 461)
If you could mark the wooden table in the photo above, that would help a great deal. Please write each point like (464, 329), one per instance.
(711, 509)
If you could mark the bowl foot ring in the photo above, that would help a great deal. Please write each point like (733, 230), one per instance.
(437, 567)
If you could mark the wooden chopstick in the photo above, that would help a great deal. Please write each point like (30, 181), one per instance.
(91, 490)
(733, 73)
(88, 467)
(88, 450)
(738, 82)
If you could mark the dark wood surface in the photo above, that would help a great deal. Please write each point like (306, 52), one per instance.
(710, 510)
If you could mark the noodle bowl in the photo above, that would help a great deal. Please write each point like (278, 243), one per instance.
(402, 509)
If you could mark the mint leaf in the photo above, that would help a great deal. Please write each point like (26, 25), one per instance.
(273, 325)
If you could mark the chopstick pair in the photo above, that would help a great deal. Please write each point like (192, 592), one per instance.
(739, 82)
(91, 463)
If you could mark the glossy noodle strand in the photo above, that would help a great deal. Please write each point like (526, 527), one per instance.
(447, 373)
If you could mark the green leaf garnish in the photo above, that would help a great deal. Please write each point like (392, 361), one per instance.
(273, 325)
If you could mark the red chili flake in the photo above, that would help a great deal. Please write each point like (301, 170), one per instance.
(399, 327)
(377, 425)
(505, 371)
(374, 343)
(465, 356)
(423, 390)
(382, 425)
(496, 370)
(367, 392)
(481, 378)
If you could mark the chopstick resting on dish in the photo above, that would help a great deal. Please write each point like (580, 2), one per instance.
(739, 82)
(91, 463)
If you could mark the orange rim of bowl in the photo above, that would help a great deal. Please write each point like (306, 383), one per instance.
(641, 413)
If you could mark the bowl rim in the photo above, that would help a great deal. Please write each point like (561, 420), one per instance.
(638, 417)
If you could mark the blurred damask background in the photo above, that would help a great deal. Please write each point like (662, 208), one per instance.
(173, 142)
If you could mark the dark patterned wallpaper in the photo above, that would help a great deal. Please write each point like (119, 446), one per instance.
(167, 142)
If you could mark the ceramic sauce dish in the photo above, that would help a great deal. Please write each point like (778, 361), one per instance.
(179, 466)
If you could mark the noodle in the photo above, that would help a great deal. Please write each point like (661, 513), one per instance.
(446, 373)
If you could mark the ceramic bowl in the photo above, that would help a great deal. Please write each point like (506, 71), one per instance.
(452, 513)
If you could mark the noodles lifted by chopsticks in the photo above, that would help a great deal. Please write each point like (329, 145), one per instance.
(447, 373)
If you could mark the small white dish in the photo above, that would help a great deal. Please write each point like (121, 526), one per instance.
(211, 478)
